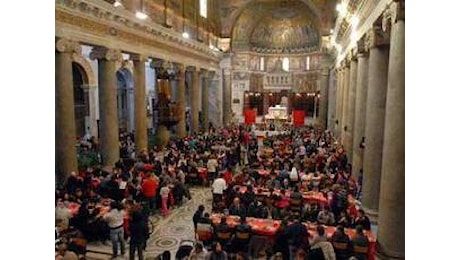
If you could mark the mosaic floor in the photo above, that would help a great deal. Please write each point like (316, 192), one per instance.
(169, 230)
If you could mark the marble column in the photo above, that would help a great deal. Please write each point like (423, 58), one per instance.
(360, 112)
(324, 97)
(227, 97)
(391, 236)
(338, 108)
(65, 131)
(195, 99)
(107, 81)
(140, 106)
(209, 75)
(346, 85)
(181, 125)
(375, 120)
(351, 101)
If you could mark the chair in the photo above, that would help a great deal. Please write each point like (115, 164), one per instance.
(257, 244)
(295, 205)
(360, 252)
(341, 250)
(224, 238)
(204, 233)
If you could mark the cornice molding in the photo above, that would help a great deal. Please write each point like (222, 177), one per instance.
(98, 18)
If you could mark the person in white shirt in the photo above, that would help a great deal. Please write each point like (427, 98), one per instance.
(294, 175)
(212, 167)
(218, 187)
(114, 220)
(63, 213)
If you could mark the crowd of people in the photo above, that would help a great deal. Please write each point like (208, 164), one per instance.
(100, 203)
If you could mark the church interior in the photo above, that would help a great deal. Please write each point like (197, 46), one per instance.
(165, 106)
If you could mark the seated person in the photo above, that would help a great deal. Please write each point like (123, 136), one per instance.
(326, 217)
(297, 235)
(360, 244)
(248, 196)
(341, 243)
(217, 252)
(199, 252)
(236, 208)
(344, 219)
(320, 236)
(362, 220)
(204, 229)
(310, 212)
(242, 236)
(222, 232)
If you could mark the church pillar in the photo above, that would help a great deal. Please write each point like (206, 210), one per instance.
(360, 110)
(208, 75)
(350, 108)
(195, 127)
(338, 110)
(375, 120)
(140, 106)
(346, 84)
(181, 125)
(391, 236)
(227, 97)
(107, 81)
(324, 97)
(66, 153)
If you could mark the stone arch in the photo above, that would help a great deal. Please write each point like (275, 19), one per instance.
(86, 66)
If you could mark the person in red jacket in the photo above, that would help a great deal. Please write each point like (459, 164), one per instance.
(149, 191)
(227, 175)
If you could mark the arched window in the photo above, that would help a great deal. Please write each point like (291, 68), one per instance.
(262, 63)
(286, 63)
(204, 8)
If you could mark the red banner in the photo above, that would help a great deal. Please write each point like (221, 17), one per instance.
(249, 116)
(298, 117)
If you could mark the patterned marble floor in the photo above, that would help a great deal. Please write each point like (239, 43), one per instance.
(169, 230)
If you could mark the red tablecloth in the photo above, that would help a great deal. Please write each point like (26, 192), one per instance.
(310, 196)
(263, 172)
(265, 227)
(351, 234)
(268, 227)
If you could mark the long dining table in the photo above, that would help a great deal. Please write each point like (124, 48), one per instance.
(269, 228)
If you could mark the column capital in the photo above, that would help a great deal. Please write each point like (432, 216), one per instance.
(193, 69)
(139, 57)
(376, 37)
(101, 53)
(227, 72)
(394, 13)
(156, 63)
(361, 47)
(66, 45)
(179, 67)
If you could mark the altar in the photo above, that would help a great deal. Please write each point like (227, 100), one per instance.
(277, 113)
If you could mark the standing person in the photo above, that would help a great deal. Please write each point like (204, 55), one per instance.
(212, 167)
(115, 222)
(218, 187)
(149, 191)
(164, 193)
(198, 215)
(139, 234)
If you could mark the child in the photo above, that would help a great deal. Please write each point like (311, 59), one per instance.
(164, 193)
